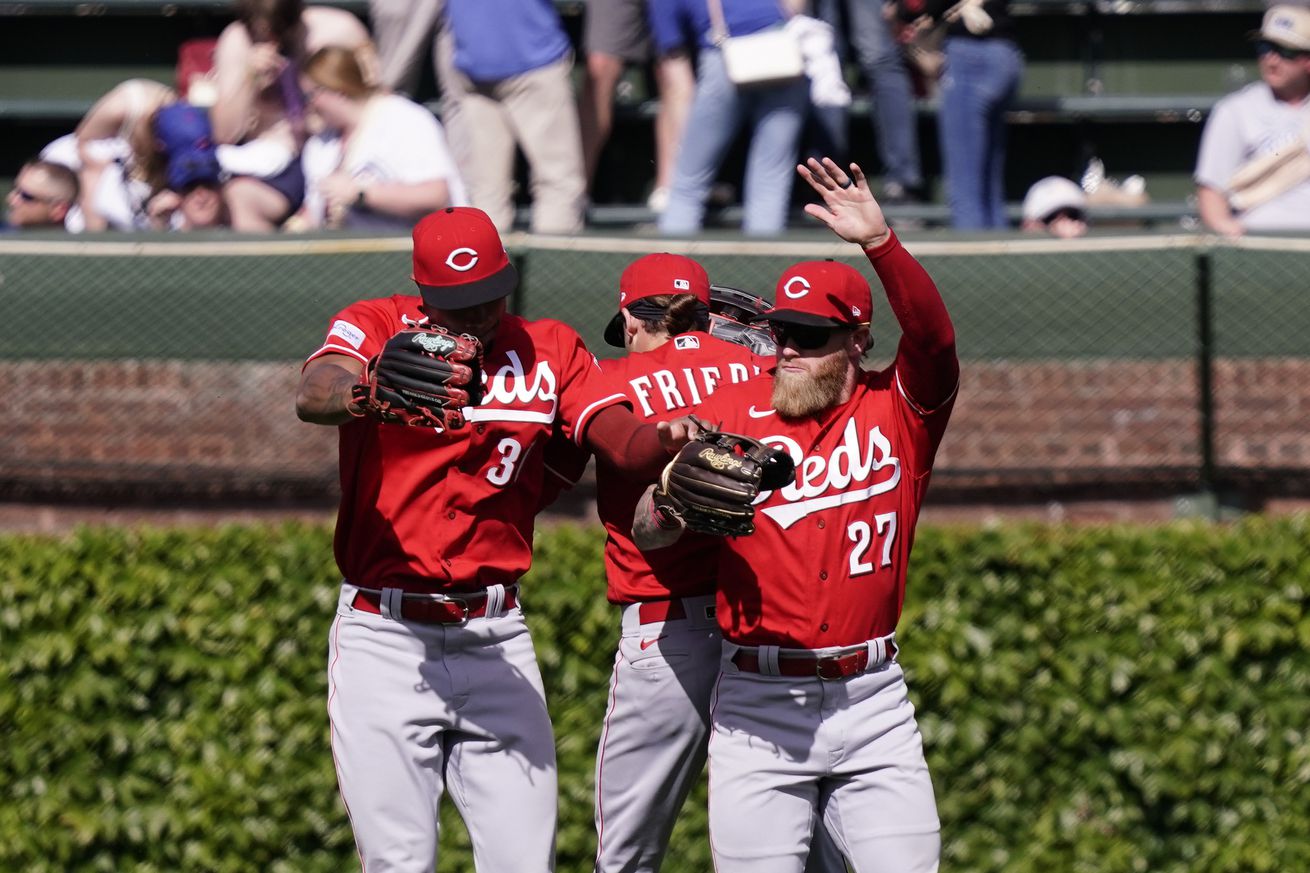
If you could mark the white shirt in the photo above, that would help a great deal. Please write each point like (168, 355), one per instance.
(396, 141)
(1248, 124)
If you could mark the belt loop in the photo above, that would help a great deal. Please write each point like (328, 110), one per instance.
(495, 601)
(768, 656)
(389, 603)
(877, 652)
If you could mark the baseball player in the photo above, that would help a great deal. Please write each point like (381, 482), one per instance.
(432, 677)
(810, 717)
(652, 743)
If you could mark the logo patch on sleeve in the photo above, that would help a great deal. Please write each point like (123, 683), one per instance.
(686, 342)
(348, 332)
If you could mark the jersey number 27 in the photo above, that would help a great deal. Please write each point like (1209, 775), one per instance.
(862, 534)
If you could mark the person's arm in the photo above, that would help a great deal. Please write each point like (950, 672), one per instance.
(636, 449)
(401, 199)
(127, 105)
(1220, 154)
(241, 70)
(323, 396)
(1215, 212)
(927, 362)
(652, 529)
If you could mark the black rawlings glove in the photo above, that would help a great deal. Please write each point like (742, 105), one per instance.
(423, 377)
(712, 482)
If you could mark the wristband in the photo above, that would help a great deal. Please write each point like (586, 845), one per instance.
(662, 519)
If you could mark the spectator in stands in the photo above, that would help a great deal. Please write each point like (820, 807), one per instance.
(1253, 169)
(1056, 206)
(381, 160)
(869, 35)
(405, 33)
(146, 160)
(117, 157)
(260, 107)
(979, 81)
(43, 195)
(193, 199)
(505, 69)
(617, 33)
(775, 114)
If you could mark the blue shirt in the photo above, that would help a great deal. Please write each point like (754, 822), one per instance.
(675, 24)
(497, 39)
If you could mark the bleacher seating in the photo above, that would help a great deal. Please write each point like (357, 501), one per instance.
(1130, 81)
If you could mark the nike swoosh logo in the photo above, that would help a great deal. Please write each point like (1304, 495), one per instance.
(646, 644)
(754, 413)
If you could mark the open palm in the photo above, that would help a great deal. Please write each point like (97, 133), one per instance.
(849, 207)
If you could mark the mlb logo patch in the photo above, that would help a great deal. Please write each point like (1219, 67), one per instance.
(682, 284)
(686, 342)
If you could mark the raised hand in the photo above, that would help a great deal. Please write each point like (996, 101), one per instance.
(849, 208)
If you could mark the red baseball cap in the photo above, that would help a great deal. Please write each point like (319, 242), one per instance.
(821, 294)
(459, 260)
(651, 276)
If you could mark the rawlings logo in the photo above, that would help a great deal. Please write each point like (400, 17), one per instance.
(851, 463)
(720, 460)
(466, 265)
(435, 343)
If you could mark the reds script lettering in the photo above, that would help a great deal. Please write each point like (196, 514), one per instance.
(512, 387)
(698, 383)
(850, 464)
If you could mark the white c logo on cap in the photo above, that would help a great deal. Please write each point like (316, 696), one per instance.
(467, 265)
(796, 295)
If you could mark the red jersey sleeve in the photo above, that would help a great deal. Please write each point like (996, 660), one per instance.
(927, 369)
(359, 330)
(583, 389)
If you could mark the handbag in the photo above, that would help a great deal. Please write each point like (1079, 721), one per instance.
(769, 57)
(923, 40)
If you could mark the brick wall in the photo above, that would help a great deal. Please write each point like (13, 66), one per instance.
(213, 427)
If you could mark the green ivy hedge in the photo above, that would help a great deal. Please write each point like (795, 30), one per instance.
(1100, 700)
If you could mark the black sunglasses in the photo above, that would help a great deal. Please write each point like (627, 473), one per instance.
(804, 337)
(1264, 47)
(28, 196)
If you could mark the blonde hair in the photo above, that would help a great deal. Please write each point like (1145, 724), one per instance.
(338, 69)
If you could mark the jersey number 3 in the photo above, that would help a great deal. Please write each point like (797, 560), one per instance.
(862, 535)
(509, 449)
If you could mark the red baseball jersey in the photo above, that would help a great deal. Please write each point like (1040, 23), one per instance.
(427, 510)
(826, 564)
(662, 384)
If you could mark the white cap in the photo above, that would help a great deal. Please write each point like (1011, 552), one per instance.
(1051, 195)
(1286, 25)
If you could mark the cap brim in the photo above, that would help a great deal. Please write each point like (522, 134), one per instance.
(614, 331)
(493, 287)
(808, 319)
(1258, 35)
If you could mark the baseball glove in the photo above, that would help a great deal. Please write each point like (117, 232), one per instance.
(710, 486)
(423, 377)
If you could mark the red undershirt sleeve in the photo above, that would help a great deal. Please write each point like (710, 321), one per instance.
(926, 361)
(623, 441)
